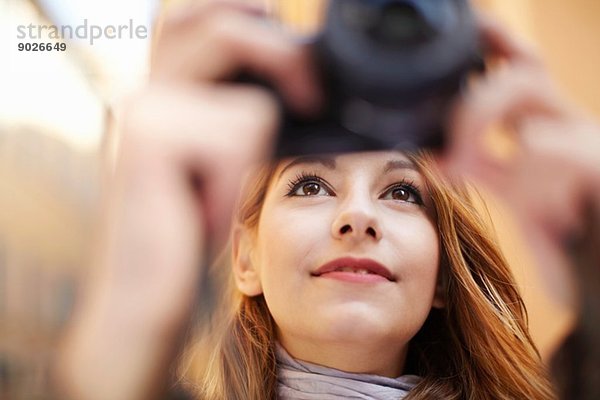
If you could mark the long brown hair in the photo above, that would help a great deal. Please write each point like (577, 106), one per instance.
(477, 347)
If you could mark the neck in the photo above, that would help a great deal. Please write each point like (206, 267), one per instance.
(360, 358)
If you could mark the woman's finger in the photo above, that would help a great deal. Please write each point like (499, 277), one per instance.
(212, 135)
(500, 42)
(504, 97)
(218, 40)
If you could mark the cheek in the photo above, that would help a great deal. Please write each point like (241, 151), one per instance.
(417, 248)
(286, 238)
(287, 243)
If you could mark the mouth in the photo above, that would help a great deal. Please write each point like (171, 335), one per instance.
(355, 270)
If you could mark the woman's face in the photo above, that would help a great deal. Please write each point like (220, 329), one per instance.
(347, 251)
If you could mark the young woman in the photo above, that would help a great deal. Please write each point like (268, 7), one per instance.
(373, 265)
(350, 270)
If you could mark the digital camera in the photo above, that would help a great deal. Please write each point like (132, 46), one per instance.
(390, 70)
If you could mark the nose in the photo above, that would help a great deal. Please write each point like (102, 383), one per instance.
(356, 221)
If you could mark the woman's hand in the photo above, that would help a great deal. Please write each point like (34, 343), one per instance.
(185, 142)
(551, 168)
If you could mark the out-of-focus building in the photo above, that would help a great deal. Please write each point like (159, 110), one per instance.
(48, 193)
(53, 109)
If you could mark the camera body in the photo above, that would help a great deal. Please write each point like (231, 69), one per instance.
(390, 70)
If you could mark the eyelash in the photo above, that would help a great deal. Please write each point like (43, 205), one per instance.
(304, 178)
(412, 187)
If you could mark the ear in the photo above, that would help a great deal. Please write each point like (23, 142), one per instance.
(247, 278)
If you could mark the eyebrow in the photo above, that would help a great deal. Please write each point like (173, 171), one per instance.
(325, 161)
(331, 164)
(399, 164)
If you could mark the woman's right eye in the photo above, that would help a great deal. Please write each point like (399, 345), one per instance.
(310, 189)
(308, 186)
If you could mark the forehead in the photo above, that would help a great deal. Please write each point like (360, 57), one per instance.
(385, 161)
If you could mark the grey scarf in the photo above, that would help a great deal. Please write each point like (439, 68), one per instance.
(299, 380)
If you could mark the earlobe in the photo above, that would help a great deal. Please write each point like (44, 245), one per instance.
(247, 278)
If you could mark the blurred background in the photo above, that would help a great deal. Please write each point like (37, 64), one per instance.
(54, 109)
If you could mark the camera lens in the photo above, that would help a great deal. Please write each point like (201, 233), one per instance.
(401, 23)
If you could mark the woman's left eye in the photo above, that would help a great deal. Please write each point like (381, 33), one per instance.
(406, 192)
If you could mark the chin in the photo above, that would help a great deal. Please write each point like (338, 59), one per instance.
(355, 323)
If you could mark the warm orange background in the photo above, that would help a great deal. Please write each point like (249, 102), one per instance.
(567, 35)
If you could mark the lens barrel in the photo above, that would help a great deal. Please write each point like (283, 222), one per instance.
(390, 69)
(400, 23)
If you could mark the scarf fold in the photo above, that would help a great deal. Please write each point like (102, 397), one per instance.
(300, 380)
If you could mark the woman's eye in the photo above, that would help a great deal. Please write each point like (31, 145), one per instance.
(405, 192)
(309, 189)
(308, 185)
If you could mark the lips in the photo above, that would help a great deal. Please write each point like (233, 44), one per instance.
(360, 267)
